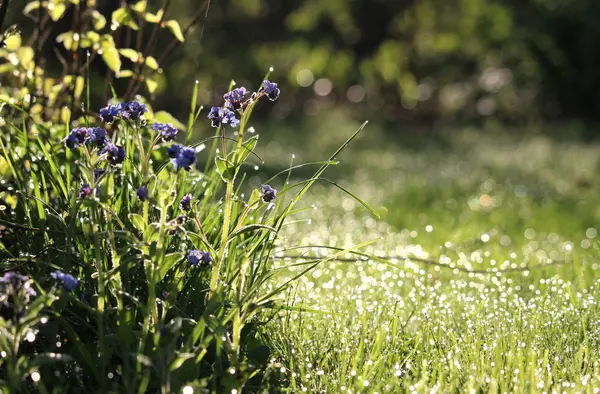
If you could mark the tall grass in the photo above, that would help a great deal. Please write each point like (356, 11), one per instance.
(173, 264)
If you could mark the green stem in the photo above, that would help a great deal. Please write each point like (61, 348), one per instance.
(224, 236)
(101, 290)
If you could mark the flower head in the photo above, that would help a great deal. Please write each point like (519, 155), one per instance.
(235, 98)
(86, 191)
(98, 136)
(268, 193)
(182, 157)
(196, 258)
(69, 281)
(174, 150)
(271, 90)
(221, 115)
(142, 193)
(12, 283)
(110, 112)
(186, 202)
(76, 137)
(167, 131)
(132, 110)
(114, 153)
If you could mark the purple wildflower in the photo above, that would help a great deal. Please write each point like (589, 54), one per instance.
(133, 110)
(182, 157)
(268, 193)
(114, 153)
(196, 257)
(271, 90)
(86, 191)
(142, 193)
(167, 131)
(174, 150)
(186, 202)
(98, 136)
(14, 282)
(69, 281)
(220, 115)
(76, 137)
(235, 98)
(110, 112)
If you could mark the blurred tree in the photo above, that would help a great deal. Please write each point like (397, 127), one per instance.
(410, 59)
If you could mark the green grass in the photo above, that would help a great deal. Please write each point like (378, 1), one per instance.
(521, 212)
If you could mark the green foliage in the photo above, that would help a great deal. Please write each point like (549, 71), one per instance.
(154, 319)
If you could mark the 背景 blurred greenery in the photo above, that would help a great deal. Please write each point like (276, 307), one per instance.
(419, 61)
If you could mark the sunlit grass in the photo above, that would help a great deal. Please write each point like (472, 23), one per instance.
(521, 214)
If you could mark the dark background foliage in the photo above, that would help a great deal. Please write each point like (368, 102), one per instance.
(419, 61)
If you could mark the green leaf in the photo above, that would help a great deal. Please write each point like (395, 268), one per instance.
(251, 227)
(79, 85)
(56, 9)
(152, 85)
(138, 221)
(178, 362)
(165, 117)
(89, 39)
(151, 233)
(130, 54)
(140, 6)
(110, 55)
(99, 20)
(173, 25)
(152, 63)
(67, 39)
(246, 148)
(34, 5)
(123, 17)
(225, 168)
(124, 74)
(170, 260)
(154, 18)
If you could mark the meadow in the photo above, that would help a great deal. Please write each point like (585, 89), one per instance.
(171, 250)
(482, 278)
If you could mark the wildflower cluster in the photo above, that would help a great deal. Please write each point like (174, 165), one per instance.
(132, 110)
(199, 258)
(166, 131)
(15, 292)
(181, 156)
(235, 101)
(96, 136)
(68, 281)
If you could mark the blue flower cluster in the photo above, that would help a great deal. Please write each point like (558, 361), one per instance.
(186, 202)
(132, 110)
(268, 193)
(181, 156)
(98, 136)
(234, 99)
(86, 191)
(69, 281)
(76, 137)
(13, 282)
(114, 153)
(167, 131)
(142, 193)
(271, 90)
(222, 116)
(82, 135)
(196, 257)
